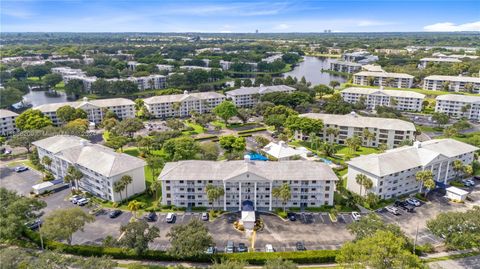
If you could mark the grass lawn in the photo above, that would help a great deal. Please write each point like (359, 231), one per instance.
(197, 129)
(60, 86)
(428, 129)
(219, 123)
(106, 136)
(347, 153)
(33, 78)
(22, 163)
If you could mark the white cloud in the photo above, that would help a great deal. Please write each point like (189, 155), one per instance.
(282, 26)
(451, 27)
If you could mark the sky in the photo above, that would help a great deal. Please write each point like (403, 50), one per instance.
(222, 16)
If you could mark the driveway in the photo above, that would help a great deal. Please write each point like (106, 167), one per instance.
(20, 182)
(469, 262)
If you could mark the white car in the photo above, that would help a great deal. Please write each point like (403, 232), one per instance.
(74, 199)
(269, 248)
(356, 216)
(468, 183)
(392, 210)
(83, 201)
(413, 201)
(170, 217)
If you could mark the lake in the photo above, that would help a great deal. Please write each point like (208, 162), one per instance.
(37, 98)
(311, 68)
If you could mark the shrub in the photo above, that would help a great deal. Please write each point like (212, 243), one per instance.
(300, 257)
(260, 129)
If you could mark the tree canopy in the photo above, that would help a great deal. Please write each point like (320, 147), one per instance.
(61, 224)
(32, 119)
(189, 239)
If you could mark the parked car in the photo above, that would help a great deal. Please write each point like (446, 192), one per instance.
(34, 224)
(211, 250)
(83, 201)
(115, 213)
(20, 169)
(242, 247)
(468, 183)
(404, 205)
(230, 248)
(269, 248)
(291, 216)
(392, 210)
(171, 217)
(205, 216)
(152, 216)
(413, 202)
(476, 177)
(300, 246)
(75, 198)
(96, 211)
(231, 219)
(356, 216)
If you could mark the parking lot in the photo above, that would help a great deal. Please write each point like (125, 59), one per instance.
(20, 182)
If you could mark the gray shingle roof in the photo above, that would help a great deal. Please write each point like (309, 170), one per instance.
(97, 158)
(454, 78)
(180, 97)
(225, 170)
(383, 74)
(459, 98)
(260, 90)
(404, 158)
(97, 102)
(7, 113)
(355, 120)
(393, 93)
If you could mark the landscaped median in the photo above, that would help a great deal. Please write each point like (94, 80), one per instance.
(253, 258)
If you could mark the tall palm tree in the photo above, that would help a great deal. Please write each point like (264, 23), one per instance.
(353, 143)
(126, 179)
(74, 175)
(329, 149)
(282, 193)
(457, 167)
(332, 133)
(118, 187)
(46, 161)
(368, 136)
(134, 206)
(154, 187)
(213, 193)
(425, 177)
(313, 139)
(360, 179)
(367, 183)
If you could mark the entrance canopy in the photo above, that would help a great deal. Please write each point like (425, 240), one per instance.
(248, 206)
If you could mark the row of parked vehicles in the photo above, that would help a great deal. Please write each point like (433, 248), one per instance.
(407, 205)
(241, 247)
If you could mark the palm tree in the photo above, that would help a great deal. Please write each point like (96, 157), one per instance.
(282, 193)
(332, 133)
(329, 149)
(382, 147)
(361, 179)
(367, 183)
(126, 179)
(134, 206)
(73, 175)
(118, 187)
(213, 193)
(457, 167)
(368, 136)
(156, 184)
(425, 177)
(467, 170)
(46, 161)
(313, 139)
(176, 106)
(353, 143)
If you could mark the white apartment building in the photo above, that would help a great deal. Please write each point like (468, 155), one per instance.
(457, 106)
(452, 83)
(7, 122)
(225, 65)
(193, 67)
(165, 67)
(393, 172)
(424, 61)
(390, 132)
(150, 82)
(361, 57)
(67, 71)
(250, 96)
(181, 105)
(101, 166)
(87, 81)
(123, 108)
(346, 67)
(312, 184)
(394, 80)
(400, 100)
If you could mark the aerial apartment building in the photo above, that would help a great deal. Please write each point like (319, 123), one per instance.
(385, 79)
(424, 61)
(371, 97)
(250, 96)
(393, 172)
(100, 166)
(122, 107)
(458, 106)
(452, 83)
(7, 122)
(181, 105)
(344, 66)
(312, 184)
(390, 132)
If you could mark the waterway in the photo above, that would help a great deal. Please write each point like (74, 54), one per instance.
(311, 68)
(37, 98)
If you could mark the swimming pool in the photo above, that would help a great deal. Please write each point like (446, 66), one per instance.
(326, 161)
(257, 157)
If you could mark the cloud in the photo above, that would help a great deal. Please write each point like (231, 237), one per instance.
(452, 27)
(231, 9)
(282, 26)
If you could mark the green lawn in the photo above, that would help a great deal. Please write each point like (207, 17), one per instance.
(347, 153)
(33, 78)
(197, 129)
(429, 129)
(20, 163)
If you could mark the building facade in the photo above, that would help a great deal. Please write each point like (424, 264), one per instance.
(400, 100)
(393, 172)
(452, 83)
(123, 108)
(424, 61)
(458, 106)
(181, 105)
(390, 132)
(250, 96)
(345, 67)
(100, 166)
(312, 184)
(7, 123)
(394, 80)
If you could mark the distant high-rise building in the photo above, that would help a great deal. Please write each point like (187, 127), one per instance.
(256, 31)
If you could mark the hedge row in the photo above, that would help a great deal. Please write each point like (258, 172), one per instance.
(253, 258)
(252, 130)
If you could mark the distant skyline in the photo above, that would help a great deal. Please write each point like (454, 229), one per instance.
(238, 16)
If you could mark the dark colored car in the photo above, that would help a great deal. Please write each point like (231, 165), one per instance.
(115, 213)
(242, 247)
(404, 205)
(231, 219)
(152, 216)
(300, 246)
(34, 224)
(291, 216)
